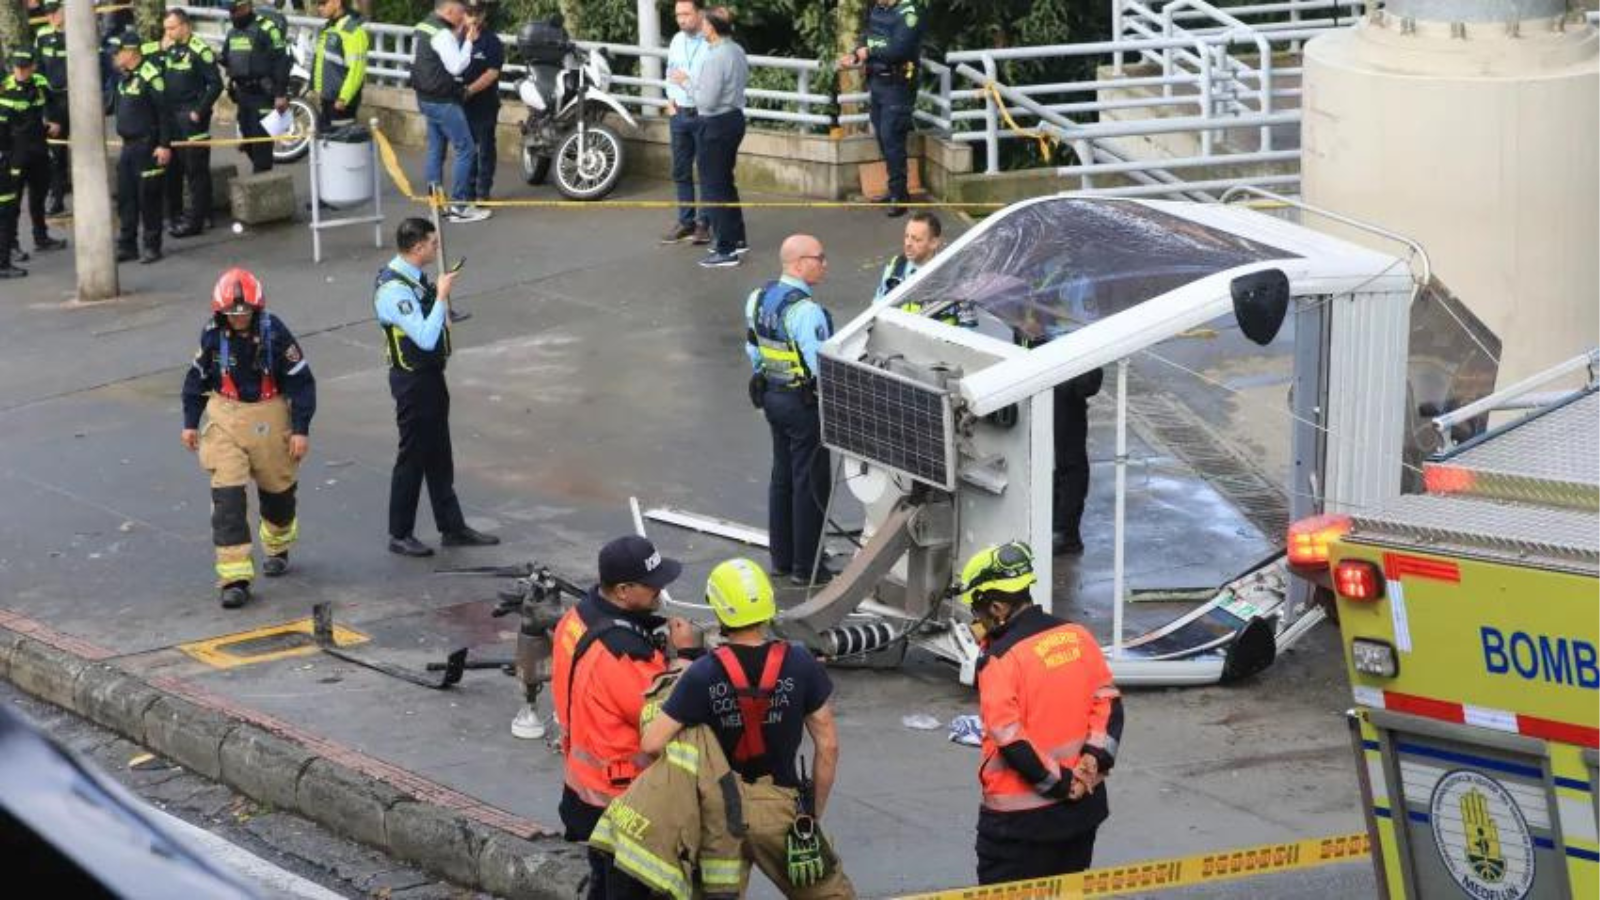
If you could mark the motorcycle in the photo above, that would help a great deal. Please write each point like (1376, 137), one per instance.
(565, 89)
(301, 112)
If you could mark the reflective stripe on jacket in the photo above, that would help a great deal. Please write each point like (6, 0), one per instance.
(767, 327)
(341, 61)
(1051, 688)
(680, 827)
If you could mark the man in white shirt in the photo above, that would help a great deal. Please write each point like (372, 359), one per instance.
(685, 54)
(442, 51)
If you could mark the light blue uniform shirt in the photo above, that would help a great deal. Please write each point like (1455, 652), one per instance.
(883, 280)
(397, 304)
(685, 52)
(806, 323)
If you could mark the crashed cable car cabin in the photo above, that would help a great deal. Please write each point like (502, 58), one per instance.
(944, 430)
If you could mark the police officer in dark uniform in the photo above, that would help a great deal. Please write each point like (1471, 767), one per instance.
(414, 315)
(891, 55)
(25, 99)
(50, 48)
(785, 328)
(145, 126)
(257, 59)
(193, 85)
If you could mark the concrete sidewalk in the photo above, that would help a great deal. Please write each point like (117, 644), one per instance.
(598, 366)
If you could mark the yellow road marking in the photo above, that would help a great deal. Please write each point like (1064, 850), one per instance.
(215, 651)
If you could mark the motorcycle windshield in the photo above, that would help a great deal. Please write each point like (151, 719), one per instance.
(1057, 265)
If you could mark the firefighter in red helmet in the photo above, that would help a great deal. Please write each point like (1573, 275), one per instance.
(254, 386)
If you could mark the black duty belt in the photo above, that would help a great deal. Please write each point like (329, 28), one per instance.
(688, 111)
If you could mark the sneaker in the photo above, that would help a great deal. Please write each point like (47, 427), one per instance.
(8, 271)
(235, 595)
(409, 546)
(741, 248)
(275, 564)
(678, 233)
(702, 234)
(462, 213)
(527, 726)
(715, 260)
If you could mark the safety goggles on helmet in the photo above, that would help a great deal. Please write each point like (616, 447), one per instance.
(1003, 569)
(740, 593)
(238, 292)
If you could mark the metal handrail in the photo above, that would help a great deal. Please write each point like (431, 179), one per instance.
(1217, 73)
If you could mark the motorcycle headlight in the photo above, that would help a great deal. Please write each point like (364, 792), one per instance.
(600, 71)
(530, 94)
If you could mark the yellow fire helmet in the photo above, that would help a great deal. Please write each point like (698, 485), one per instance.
(741, 594)
(1005, 568)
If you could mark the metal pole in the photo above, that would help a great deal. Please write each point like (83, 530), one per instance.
(316, 199)
(650, 38)
(94, 255)
(991, 138)
(377, 187)
(1118, 567)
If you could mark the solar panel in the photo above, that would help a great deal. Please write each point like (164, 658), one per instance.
(900, 424)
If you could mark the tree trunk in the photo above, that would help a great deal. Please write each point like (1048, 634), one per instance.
(13, 26)
(852, 14)
(572, 17)
(92, 222)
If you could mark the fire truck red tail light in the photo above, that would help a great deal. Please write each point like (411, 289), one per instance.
(1437, 479)
(1357, 579)
(1309, 539)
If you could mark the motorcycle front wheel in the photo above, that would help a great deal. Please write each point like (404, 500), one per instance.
(535, 165)
(304, 118)
(589, 172)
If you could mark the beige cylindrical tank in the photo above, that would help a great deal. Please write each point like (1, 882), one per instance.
(1471, 126)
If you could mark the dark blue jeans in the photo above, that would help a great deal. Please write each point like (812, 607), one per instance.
(481, 119)
(447, 123)
(720, 137)
(890, 111)
(798, 492)
(685, 132)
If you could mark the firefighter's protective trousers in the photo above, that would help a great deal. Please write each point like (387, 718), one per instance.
(244, 442)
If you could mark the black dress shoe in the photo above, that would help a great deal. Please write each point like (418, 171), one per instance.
(1062, 544)
(409, 546)
(9, 271)
(184, 230)
(47, 243)
(466, 537)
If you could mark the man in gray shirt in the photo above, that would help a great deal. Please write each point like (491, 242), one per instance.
(718, 90)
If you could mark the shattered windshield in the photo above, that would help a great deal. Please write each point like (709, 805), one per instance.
(1053, 267)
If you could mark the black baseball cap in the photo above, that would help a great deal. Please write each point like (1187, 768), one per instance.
(49, 6)
(125, 40)
(20, 58)
(634, 559)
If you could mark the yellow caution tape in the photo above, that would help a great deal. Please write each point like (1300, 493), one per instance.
(391, 163)
(1045, 140)
(1223, 865)
(209, 142)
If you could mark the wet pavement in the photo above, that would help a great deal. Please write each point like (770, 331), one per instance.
(598, 366)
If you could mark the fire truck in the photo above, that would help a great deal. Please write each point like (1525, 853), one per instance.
(1470, 615)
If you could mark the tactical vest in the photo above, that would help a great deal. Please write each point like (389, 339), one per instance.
(882, 23)
(400, 351)
(136, 104)
(429, 78)
(767, 326)
(186, 86)
(51, 46)
(24, 103)
(250, 55)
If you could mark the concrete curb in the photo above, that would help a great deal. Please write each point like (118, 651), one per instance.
(280, 771)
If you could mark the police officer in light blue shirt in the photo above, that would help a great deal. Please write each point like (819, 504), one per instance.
(414, 316)
(685, 54)
(784, 331)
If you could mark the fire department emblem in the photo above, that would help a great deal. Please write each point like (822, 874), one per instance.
(1482, 836)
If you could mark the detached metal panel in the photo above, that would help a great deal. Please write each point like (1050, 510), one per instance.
(1367, 346)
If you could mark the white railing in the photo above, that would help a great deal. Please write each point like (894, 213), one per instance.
(1171, 67)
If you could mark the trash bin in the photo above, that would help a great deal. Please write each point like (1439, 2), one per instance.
(344, 170)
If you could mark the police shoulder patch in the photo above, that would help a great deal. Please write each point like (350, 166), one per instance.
(406, 306)
(293, 353)
(911, 19)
